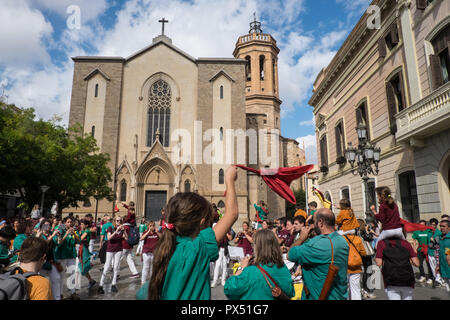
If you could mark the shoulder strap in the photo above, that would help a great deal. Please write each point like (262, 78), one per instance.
(398, 243)
(353, 245)
(332, 252)
(388, 244)
(265, 273)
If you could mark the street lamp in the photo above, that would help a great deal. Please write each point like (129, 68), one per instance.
(44, 189)
(362, 159)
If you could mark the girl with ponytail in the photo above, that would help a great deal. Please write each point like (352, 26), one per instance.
(388, 215)
(181, 263)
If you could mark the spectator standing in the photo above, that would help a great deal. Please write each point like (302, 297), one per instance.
(316, 255)
(84, 255)
(395, 256)
(150, 237)
(249, 282)
(444, 252)
(142, 228)
(421, 243)
(367, 259)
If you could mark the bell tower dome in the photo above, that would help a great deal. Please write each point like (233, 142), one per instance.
(261, 73)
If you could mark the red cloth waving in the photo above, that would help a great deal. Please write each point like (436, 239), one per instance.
(411, 227)
(279, 179)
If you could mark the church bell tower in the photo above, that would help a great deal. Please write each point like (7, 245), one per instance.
(261, 73)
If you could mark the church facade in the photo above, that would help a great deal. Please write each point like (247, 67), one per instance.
(172, 123)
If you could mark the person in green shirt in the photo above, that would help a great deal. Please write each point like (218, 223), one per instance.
(65, 252)
(105, 226)
(19, 239)
(84, 256)
(181, 265)
(312, 206)
(315, 257)
(421, 242)
(444, 248)
(249, 282)
(7, 233)
(433, 252)
(142, 228)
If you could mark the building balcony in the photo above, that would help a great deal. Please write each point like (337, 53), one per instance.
(256, 37)
(427, 117)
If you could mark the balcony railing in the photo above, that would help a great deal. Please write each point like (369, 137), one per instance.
(427, 117)
(256, 36)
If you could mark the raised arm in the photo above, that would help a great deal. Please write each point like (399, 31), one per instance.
(231, 206)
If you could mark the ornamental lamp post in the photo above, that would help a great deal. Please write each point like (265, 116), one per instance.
(364, 160)
(44, 189)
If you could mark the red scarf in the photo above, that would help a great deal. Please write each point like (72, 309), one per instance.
(411, 227)
(279, 179)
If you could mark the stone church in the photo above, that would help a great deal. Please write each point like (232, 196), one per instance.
(134, 106)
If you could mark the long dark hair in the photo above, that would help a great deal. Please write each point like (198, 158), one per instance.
(185, 211)
(384, 194)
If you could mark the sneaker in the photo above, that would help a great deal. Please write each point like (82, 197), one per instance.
(91, 284)
(364, 294)
(114, 288)
(371, 295)
(421, 279)
(74, 296)
(134, 276)
(100, 290)
(213, 284)
(429, 281)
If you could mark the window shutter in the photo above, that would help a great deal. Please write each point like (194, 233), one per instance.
(338, 141)
(402, 89)
(394, 33)
(359, 116)
(436, 73)
(421, 4)
(325, 151)
(392, 106)
(382, 48)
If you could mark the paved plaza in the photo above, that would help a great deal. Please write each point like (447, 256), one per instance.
(128, 287)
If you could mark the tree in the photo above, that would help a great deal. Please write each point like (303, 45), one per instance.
(300, 198)
(38, 152)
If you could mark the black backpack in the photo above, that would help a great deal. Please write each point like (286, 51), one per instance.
(13, 285)
(397, 270)
(133, 236)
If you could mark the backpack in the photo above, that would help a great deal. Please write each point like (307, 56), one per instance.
(102, 253)
(397, 270)
(13, 286)
(133, 236)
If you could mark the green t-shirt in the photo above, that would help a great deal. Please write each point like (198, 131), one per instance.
(88, 237)
(422, 237)
(315, 257)
(188, 275)
(142, 228)
(311, 213)
(104, 228)
(4, 252)
(251, 284)
(65, 250)
(18, 241)
(444, 245)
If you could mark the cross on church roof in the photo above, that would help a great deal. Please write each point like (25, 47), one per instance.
(163, 20)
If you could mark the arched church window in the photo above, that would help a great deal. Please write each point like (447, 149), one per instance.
(221, 133)
(93, 131)
(123, 191)
(159, 102)
(221, 92)
(187, 186)
(248, 68)
(261, 67)
(221, 179)
(96, 90)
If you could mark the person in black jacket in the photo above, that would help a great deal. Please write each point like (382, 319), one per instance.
(367, 260)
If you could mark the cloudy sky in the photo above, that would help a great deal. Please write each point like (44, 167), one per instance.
(38, 38)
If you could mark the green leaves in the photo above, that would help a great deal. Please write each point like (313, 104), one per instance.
(301, 202)
(37, 152)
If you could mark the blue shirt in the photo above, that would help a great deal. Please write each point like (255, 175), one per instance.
(315, 258)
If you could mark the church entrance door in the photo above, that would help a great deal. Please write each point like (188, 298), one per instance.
(154, 202)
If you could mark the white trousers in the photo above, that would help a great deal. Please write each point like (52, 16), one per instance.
(115, 258)
(69, 268)
(127, 253)
(55, 279)
(354, 286)
(399, 293)
(386, 234)
(147, 266)
(433, 265)
(221, 262)
(140, 246)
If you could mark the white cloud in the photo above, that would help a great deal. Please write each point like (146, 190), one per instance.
(307, 122)
(310, 148)
(23, 33)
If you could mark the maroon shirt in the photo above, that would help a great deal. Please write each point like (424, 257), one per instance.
(289, 240)
(284, 234)
(245, 244)
(115, 243)
(150, 243)
(125, 244)
(389, 217)
(381, 245)
(131, 217)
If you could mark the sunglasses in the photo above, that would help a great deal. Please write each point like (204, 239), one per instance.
(118, 220)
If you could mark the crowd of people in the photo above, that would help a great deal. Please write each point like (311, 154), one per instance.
(186, 253)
